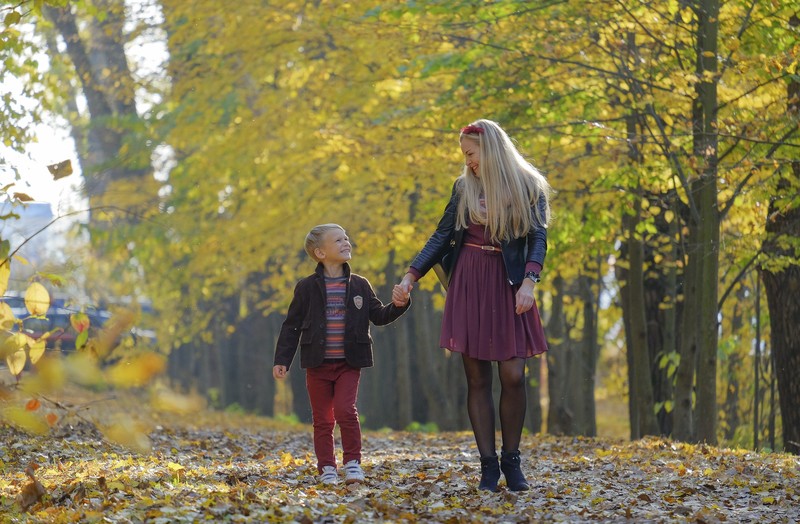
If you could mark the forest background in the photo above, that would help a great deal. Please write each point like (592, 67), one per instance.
(668, 129)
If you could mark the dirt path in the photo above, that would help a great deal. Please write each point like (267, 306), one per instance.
(244, 474)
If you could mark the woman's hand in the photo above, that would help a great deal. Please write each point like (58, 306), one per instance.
(279, 371)
(407, 284)
(524, 296)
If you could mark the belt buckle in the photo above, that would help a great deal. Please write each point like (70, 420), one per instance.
(488, 248)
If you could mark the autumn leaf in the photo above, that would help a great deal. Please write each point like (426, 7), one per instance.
(32, 492)
(23, 197)
(36, 349)
(136, 371)
(50, 376)
(108, 337)
(37, 299)
(26, 420)
(80, 322)
(61, 169)
(82, 368)
(5, 273)
(33, 404)
(16, 361)
(12, 18)
(166, 400)
(127, 433)
(7, 317)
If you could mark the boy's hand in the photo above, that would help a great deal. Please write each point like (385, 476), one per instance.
(399, 296)
(279, 371)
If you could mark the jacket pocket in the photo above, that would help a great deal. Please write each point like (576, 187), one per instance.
(306, 332)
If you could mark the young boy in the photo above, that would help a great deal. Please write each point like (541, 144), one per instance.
(329, 316)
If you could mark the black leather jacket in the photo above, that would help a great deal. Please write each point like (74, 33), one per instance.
(516, 253)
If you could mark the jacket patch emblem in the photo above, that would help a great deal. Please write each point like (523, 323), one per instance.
(358, 300)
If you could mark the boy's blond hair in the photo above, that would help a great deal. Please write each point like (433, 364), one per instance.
(315, 236)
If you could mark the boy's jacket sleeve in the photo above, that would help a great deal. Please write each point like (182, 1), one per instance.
(289, 336)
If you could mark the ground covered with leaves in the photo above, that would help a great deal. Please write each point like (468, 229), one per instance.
(233, 468)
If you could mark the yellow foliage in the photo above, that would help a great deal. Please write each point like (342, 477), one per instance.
(16, 361)
(82, 368)
(36, 349)
(128, 433)
(37, 299)
(50, 375)
(32, 422)
(5, 273)
(166, 400)
(137, 371)
(7, 317)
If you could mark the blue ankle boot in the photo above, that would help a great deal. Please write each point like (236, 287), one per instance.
(510, 464)
(490, 473)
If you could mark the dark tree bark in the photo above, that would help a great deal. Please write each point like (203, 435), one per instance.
(584, 369)
(699, 343)
(559, 414)
(707, 408)
(782, 287)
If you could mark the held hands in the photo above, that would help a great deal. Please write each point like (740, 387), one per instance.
(279, 371)
(399, 296)
(402, 291)
(524, 296)
(407, 284)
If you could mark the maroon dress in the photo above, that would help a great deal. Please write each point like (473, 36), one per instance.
(480, 320)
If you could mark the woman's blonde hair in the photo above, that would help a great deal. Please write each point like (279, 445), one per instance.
(315, 237)
(509, 184)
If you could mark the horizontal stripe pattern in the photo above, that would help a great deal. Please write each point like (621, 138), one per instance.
(335, 290)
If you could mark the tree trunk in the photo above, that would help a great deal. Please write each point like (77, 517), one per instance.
(708, 16)
(101, 66)
(534, 387)
(585, 367)
(733, 368)
(699, 344)
(782, 287)
(642, 414)
(559, 416)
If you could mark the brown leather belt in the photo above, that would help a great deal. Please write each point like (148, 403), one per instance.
(485, 248)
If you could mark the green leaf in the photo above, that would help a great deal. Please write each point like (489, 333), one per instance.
(12, 18)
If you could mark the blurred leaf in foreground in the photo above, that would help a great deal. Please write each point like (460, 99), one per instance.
(37, 299)
(127, 433)
(25, 420)
(137, 371)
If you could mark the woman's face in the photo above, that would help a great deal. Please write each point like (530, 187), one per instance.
(472, 154)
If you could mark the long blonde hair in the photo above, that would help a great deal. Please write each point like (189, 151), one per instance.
(509, 184)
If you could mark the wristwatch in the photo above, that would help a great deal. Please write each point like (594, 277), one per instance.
(535, 278)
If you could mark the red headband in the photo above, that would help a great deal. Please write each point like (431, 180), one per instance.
(471, 130)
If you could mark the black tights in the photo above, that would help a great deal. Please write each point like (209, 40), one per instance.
(480, 403)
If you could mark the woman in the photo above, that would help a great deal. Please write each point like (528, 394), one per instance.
(494, 229)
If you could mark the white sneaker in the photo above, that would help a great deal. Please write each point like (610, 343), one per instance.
(353, 472)
(329, 475)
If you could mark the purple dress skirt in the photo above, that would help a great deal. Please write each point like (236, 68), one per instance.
(479, 319)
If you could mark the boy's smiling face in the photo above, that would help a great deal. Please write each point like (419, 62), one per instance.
(335, 247)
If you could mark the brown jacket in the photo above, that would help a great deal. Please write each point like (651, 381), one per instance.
(305, 321)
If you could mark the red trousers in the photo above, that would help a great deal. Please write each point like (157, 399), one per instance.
(333, 390)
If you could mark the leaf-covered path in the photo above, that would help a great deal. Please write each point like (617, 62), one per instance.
(244, 472)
